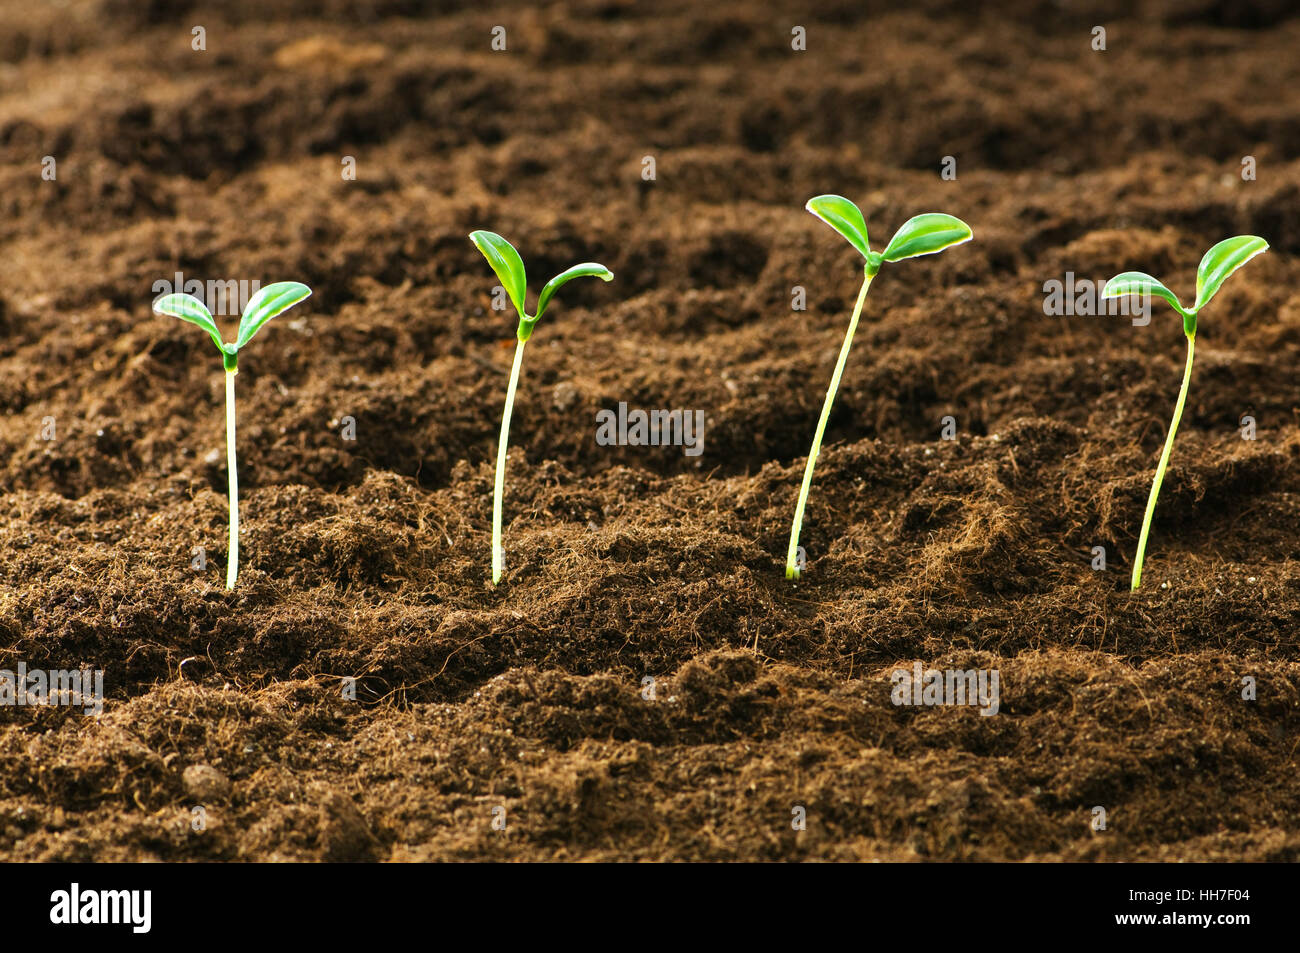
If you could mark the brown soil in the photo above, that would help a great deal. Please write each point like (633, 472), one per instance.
(369, 559)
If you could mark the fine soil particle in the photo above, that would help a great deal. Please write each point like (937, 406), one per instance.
(645, 684)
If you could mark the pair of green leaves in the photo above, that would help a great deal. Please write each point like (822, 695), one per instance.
(920, 235)
(1219, 262)
(509, 267)
(262, 307)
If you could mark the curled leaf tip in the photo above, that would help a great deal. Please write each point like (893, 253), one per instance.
(587, 269)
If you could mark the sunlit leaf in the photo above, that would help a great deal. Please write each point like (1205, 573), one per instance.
(926, 234)
(1221, 261)
(1140, 283)
(266, 304)
(191, 309)
(843, 216)
(505, 261)
(588, 269)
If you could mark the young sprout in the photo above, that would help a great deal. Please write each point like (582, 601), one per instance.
(509, 267)
(1219, 262)
(262, 307)
(922, 235)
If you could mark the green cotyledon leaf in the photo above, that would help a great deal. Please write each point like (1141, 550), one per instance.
(1140, 283)
(1221, 261)
(266, 304)
(191, 309)
(843, 216)
(507, 264)
(926, 234)
(588, 269)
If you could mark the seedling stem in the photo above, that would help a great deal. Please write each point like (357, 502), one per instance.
(791, 561)
(232, 565)
(923, 234)
(509, 267)
(1164, 462)
(1215, 268)
(498, 554)
(262, 307)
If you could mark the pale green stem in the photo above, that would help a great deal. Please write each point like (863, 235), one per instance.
(498, 554)
(1164, 462)
(791, 564)
(232, 567)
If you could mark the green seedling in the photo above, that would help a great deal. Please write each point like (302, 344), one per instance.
(262, 307)
(922, 235)
(509, 267)
(1219, 262)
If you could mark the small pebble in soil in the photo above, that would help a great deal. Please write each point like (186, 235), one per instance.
(205, 783)
(564, 396)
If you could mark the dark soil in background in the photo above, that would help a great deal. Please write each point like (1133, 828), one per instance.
(369, 559)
